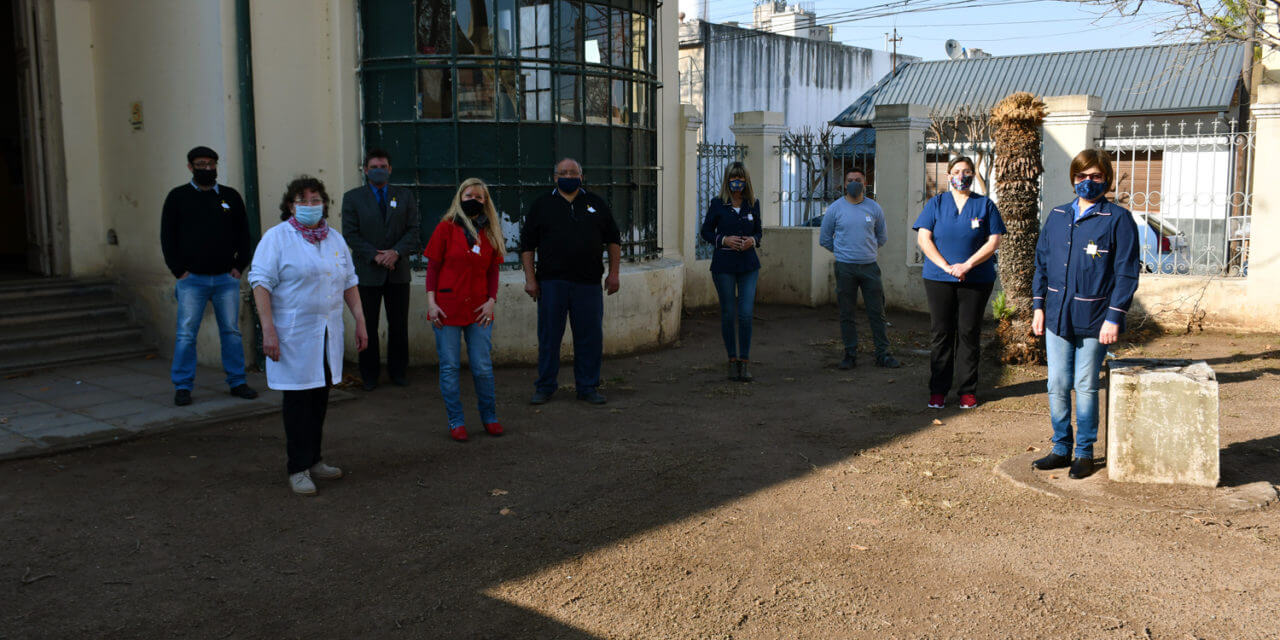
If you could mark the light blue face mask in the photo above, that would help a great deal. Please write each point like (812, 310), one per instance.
(308, 215)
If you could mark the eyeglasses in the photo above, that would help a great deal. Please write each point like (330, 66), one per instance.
(205, 164)
(312, 202)
(1096, 177)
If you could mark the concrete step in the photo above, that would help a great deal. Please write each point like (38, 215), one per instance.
(107, 319)
(43, 308)
(51, 359)
(85, 337)
(32, 288)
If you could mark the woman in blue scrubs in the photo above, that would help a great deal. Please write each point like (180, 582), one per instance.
(1087, 263)
(958, 231)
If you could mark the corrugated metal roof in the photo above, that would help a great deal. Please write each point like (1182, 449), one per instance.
(1180, 78)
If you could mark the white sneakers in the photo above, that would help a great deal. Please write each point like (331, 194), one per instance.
(302, 484)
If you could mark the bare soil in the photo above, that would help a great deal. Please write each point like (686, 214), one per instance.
(813, 503)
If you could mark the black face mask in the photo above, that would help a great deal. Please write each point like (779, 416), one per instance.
(205, 177)
(472, 208)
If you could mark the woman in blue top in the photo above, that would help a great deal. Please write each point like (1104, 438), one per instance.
(1086, 274)
(732, 226)
(958, 231)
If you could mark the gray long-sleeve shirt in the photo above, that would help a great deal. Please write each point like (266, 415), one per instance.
(854, 232)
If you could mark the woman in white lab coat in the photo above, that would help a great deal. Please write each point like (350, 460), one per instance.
(302, 273)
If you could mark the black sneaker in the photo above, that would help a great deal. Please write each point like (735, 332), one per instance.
(888, 362)
(1051, 461)
(244, 391)
(182, 397)
(849, 362)
(540, 397)
(593, 397)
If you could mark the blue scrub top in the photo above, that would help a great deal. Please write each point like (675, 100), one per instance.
(959, 234)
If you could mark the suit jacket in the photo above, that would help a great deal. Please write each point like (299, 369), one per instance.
(367, 232)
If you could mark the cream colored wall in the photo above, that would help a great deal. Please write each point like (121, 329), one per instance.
(794, 268)
(77, 88)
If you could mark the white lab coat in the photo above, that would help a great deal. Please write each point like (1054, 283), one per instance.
(306, 282)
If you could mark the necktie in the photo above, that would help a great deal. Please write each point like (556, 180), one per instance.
(382, 201)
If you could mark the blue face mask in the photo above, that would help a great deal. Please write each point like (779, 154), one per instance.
(378, 176)
(308, 215)
(568, 185)
(1090, 190)
(854, 189)
(737, 186)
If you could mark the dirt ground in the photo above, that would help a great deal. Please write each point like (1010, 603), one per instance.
(813, 503)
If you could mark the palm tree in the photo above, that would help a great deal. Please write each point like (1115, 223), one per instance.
(1016, 124)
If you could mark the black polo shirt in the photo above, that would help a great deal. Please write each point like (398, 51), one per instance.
(569, 237)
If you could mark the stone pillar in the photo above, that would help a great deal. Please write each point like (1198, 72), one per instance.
(899, 189)
(1072, 125)
(688, 177)
(1264, 227)
(1162, 422)
(759, 131)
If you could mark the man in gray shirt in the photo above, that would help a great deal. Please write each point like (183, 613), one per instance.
(853, 229)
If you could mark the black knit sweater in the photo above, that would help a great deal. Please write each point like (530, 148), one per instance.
(204, 232)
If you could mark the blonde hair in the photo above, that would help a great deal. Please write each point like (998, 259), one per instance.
(737, 170)
(493, 230)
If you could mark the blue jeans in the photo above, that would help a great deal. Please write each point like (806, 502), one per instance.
(449, 350)
(584, 306)
(1074, 363)
(737, 306)
(193, 293)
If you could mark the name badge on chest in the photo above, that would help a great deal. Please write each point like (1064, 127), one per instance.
(225, 206)
(1091, 249)
(868, 218)
(393, 203)
(975, 223)
(749, 218)
(475, 248)
(591, 209)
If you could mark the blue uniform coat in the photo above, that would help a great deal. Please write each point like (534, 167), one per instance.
(723, 221)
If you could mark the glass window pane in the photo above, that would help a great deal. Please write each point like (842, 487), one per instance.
(621, 31)
(475, 94)
(536, 84)
(619, 111)
(639, 41)
(504, 30)
(433, 27)
(597, 103)
(435, 94)
(648, 41)
(568, 98)
(508, 94)
(595, 35)
(568, 30)
(640, 105)
(474, 34)
(535, 28)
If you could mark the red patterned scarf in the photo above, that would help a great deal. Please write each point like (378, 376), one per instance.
(314, 235)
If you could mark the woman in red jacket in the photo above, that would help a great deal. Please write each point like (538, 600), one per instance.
(462, 287)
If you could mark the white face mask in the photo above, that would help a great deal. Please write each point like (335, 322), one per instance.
(308, 215)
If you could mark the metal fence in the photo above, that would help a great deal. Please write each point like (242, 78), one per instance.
(1189, 186)
(812, 169)
(937, 153)
(713, 159)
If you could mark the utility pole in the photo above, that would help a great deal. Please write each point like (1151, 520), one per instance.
(893, 60)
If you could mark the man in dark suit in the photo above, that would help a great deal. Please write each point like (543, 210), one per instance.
(380, 224)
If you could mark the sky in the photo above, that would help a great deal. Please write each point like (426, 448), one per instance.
(1003, 27)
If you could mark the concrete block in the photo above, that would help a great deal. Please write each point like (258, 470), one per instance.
(1162, 422)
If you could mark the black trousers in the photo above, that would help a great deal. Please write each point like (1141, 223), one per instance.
(303, 411)
(955, 317)
(396, 298)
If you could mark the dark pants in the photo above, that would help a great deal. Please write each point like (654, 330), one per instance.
(849, 278)
(303, 411)
(583, 304)
(396, 297)
(737, 293)
(955, 317)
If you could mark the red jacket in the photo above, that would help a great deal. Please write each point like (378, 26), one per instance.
(464, 276)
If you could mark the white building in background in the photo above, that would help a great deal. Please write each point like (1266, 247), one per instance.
(787, 64)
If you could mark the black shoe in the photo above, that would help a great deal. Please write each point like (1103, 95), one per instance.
(1051, 461)
(1081, 468)
(593, 397)
(733, 369)
(182, 397)
(400, 381)
(888, 362)
(849, 362)
(540, 397)
(244, 391)
(743, 374)
(369, 385)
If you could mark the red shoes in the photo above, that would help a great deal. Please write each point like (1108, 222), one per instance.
(493, 428)
(937, 401)
(459, 433)
(968, 401)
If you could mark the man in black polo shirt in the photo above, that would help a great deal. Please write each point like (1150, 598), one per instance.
(204, 234)
(569, 228)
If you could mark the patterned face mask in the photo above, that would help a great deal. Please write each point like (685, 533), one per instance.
(962, 182)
